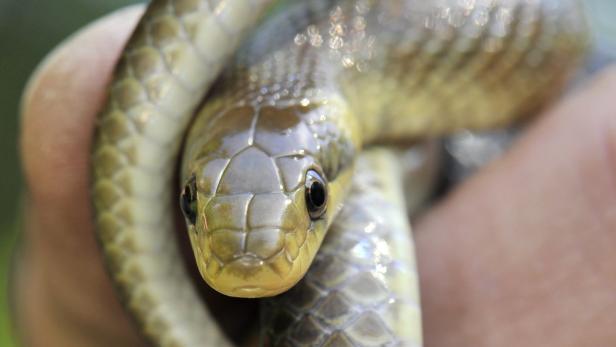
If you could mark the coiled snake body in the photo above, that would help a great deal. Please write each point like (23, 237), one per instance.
(269, 159)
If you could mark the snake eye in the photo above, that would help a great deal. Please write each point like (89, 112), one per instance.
(188, 200)
(316, 194)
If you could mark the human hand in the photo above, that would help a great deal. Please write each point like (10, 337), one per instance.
(519, 255)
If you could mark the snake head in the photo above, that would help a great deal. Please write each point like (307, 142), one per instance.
(257, 200)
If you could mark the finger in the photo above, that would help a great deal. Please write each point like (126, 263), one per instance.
(522, 254)
(63, 272)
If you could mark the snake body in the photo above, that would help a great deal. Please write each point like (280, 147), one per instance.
(362, 288)
(304, 95)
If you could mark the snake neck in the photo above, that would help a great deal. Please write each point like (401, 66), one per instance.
(412, 69)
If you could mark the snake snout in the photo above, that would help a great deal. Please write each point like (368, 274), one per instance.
(253, 242)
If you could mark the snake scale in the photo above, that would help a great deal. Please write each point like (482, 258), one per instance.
(279, 111)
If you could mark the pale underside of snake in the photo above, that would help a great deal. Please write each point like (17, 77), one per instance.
(269, 158)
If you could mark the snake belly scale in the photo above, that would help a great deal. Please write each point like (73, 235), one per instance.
(269, 158)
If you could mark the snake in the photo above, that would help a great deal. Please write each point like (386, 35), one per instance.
(269, 107)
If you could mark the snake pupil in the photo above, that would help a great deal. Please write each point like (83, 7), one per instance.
(316, 194)
(188, 201)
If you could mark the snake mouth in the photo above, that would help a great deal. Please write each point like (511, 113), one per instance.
(252, 277)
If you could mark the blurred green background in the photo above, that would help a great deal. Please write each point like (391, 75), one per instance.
(29, 29)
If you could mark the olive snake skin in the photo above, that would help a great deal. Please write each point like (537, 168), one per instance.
(305, 93)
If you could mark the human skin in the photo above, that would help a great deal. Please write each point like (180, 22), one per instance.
(519, 255)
